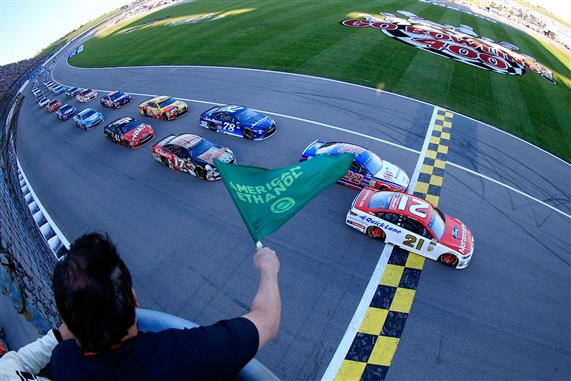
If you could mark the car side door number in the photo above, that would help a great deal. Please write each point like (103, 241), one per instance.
(410, 241)
(229, 126)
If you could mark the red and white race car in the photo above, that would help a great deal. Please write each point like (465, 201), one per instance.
(413, 224)
(86, 95)
(192, 154)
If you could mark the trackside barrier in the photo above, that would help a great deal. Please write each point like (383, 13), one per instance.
(153, 321)
(26, 260)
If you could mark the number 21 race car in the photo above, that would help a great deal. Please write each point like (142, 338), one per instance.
(367, 169)
(192, 154)
(238, 121)
(163, 107)
(129, 132)
(413, 224)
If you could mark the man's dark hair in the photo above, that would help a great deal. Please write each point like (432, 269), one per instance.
(93, 293)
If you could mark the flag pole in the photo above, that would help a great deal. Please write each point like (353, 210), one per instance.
(259, 245)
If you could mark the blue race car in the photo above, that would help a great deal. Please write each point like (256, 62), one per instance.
(367, 169)
(88, 118)
(59, 90)
(115, 99)
(238, 121)
(72, 92)
(65, 112)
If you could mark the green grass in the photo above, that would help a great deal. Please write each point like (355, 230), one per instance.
(306, 37)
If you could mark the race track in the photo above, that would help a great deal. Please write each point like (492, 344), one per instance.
(505, 317)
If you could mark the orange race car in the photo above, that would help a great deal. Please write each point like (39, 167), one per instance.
(163, 107)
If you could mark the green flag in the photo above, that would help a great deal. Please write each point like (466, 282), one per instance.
(266, 199)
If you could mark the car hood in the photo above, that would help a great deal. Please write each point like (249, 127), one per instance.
(457, 236)
(177, 104)
(138, 133)
(220, 153)
(258, 122)
(93, 117)
(392, 173)
(123, 98)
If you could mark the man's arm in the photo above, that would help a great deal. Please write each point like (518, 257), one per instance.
(35, 356)
(266, 307)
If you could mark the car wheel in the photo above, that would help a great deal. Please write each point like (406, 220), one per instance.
(375, 232)
(248, 134)
(165, 117)
(165, 161)
(212, 126)
(200, 172)
(448, 259)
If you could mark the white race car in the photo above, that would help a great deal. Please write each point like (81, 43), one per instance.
(413, 224)
(86, 95)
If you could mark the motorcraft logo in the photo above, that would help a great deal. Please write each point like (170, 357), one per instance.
(460, 43)
(463, 240)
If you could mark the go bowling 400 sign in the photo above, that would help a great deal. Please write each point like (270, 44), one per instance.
(458, 43)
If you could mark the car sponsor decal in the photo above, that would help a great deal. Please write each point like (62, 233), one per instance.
(137, 132)
(211, 154)
(463, 240)
(460, 44)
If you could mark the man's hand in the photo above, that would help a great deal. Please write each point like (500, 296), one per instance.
(65, 332)
(266, 260)
(266, 308)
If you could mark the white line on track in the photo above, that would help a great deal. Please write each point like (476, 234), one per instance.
(361, 310)
(362, 135)
(322, 79)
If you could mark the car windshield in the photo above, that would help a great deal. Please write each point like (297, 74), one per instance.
(380, 200)
(129, 126)
(246, 115)
(200, 148)
(167, 102)
(85, 92)
(373, 164)
(437, 223)
(88, 114)
(53, 103)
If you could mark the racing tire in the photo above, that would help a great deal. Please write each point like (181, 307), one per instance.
(212, 126)
(375, 232)
(248, 134)
(448, 259)
(165, 117)
(165, 161)
(200, 172)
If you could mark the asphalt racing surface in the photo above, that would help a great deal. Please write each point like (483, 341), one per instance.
(504, 317)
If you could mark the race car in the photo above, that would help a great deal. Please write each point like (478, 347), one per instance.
(115, 99)
(238, 121)
(37, 92)
(42, 101)
(65, 112)
(163, 107)
(86, 95)
(129, 132)
(88, 118)
(72, 92)
(53, 105)
(413, 224)
(367, 169)
(192, 154)
(59, 90)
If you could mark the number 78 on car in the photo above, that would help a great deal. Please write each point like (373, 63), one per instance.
(413, 224)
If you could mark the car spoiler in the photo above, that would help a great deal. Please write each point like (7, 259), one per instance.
(212, 109)
(164, 140)
(312, 148)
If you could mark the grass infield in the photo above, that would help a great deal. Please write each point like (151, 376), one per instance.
(307, 37)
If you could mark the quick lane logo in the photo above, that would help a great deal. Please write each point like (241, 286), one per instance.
(270, 191)
(460, 44)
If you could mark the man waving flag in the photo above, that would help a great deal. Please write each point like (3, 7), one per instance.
(266, 199)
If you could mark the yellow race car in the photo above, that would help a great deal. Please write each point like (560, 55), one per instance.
(163, 107)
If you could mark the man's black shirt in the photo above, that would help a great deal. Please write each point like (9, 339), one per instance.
(216, 352)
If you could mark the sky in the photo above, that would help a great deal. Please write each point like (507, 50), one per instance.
(28, 26)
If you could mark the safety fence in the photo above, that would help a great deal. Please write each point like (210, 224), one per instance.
(26, 259)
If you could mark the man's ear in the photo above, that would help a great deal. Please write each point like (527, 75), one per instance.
(135, 298)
